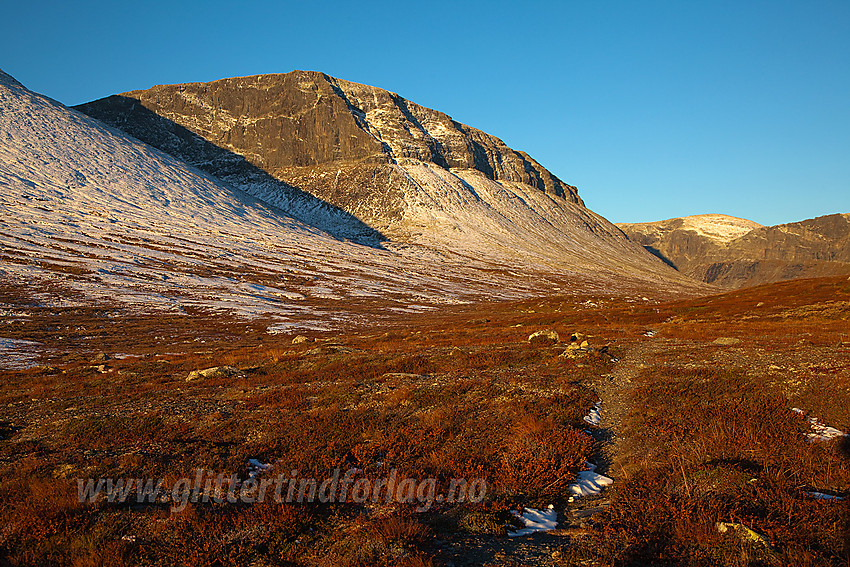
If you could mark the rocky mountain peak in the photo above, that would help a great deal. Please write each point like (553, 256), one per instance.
(305, 122)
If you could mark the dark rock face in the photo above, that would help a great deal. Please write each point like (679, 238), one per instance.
(810, 248)
(335, 139)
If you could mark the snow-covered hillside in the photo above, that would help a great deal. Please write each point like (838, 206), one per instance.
(90, 214)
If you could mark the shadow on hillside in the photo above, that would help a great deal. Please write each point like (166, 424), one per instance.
(130, 116)
(658, 254)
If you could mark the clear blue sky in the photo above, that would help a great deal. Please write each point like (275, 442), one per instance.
(653, 109)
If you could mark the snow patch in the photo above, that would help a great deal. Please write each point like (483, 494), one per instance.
(594, 416)
(589, 482)
(536, 520)
(819, 431)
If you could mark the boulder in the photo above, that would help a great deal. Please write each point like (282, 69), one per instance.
(726, 341)
(214, 372)
(302, 339)
(544, 336)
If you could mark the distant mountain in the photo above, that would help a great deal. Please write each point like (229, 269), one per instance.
(734, 252)
(90, 215)
(412, 174)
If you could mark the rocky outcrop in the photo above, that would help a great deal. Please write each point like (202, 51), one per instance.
(735, 252)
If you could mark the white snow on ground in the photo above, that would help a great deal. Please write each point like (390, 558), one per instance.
(464, 210)
(719, 227)
(536, 521)
(588, 482)
(820, 432)
(17, 354)
(594, 416)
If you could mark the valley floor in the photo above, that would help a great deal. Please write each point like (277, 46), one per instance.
(711, 464)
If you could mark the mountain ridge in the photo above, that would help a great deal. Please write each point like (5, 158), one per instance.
(750, 254)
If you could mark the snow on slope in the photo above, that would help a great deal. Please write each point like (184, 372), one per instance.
(720, 228)
(504, 219)
(109, 218)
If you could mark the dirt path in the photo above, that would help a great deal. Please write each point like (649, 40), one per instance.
(577, 516)
(614, 391)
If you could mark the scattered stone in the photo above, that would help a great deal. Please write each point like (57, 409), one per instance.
(302, 339)
(578, 346)
(588, 512)
(330, 349)
(214, 372)
(403, 376)
(544, 336)
(489, 523)
(727, 341)
(571, 531)
(744, 533)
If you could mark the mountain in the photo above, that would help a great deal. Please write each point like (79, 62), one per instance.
(89, 214)
(733, 252)
(410, 173)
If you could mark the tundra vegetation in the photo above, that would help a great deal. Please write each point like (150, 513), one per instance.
(711, 465)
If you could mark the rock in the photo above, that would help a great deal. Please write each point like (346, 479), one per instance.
(578, 347)
(577, 337)
(544, 336)
(214, 372)
(726, 341)
(744, 533)
(101, 357)
(302, 339)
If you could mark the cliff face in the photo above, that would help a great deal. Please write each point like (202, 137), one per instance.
(335, 139)
(736, 253)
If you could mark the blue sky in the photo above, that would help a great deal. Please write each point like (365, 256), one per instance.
(653, 109)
